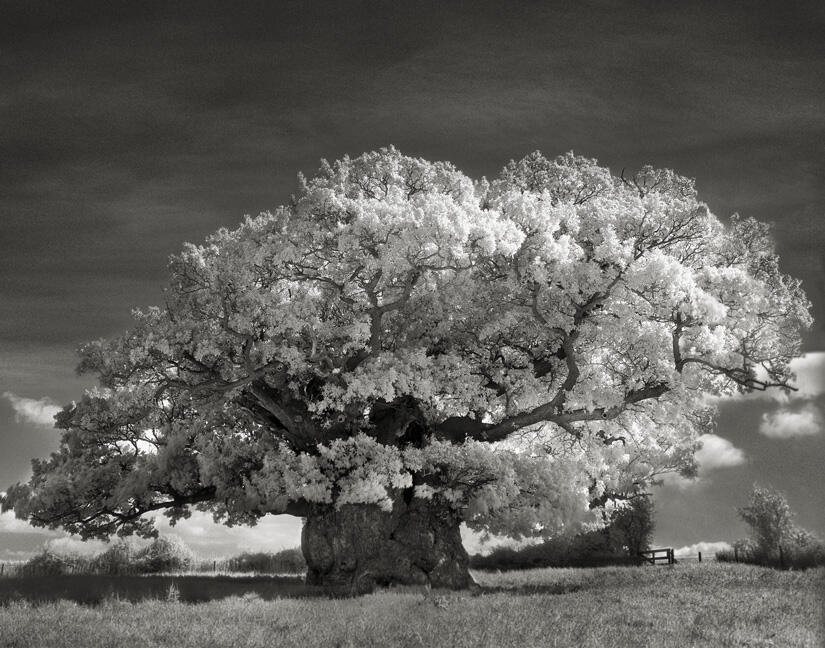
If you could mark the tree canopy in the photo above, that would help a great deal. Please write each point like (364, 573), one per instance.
(525, 350)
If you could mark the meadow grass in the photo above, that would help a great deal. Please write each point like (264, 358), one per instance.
(710, 605)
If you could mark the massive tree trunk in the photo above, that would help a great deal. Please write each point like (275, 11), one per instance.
(359, 546)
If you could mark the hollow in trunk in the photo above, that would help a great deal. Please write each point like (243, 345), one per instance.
(360, 546)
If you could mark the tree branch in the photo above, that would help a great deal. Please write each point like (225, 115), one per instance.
(739, 375)
(297, 428)
(457, 429)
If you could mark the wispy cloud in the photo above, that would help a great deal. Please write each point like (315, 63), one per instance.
(787, 423)
(32, 410)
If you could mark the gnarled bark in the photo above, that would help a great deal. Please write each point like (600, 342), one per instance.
(353, 549)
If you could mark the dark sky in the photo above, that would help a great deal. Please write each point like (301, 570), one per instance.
(128, 128)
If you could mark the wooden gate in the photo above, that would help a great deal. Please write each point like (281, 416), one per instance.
(654, 556)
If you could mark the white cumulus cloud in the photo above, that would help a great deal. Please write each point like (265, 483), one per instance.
(10, 524)
(809, 382)
(810, 375)
(787, 423)
(33, 410)
(71, 545)
(717, 452)
(209, 539)
(708, 549)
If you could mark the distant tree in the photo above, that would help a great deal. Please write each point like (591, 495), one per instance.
(400, 349)
(631, 528)
(774, 539)
(628, 529)
(769, 516)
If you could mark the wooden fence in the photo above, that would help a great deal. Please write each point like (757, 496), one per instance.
(667, 557)
(10, 568)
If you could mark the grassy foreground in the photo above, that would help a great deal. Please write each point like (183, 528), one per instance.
(709, 605)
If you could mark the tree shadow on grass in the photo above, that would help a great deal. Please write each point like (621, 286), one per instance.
(89, 589)
(554, 589)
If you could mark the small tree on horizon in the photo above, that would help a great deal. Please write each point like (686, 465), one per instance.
(770, 519)
(400, 349)
(775, 540)
(769, 516)
(631, 527)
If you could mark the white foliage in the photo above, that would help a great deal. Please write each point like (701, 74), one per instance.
(581, 319)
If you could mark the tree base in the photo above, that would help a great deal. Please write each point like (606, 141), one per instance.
(358, 547)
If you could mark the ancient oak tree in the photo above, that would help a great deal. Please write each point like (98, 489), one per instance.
(401, 349)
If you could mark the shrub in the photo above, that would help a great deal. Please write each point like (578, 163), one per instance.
(805, 556)
(120, 558)
(585, 550)
(50, 563)
(287, 561)
(792, 557)
(164, 555)
(628, 531)
(290, 561)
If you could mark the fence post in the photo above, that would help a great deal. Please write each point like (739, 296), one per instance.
(214, 566)
(781, 558)
(735, 554)
(2, 568)
(700, 556)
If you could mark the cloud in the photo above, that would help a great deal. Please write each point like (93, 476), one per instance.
(785, 423)
(20, 541)
(69, 545)
(206, 538)
(708, 549)
(31, 410)
(809, 383)
(810, 375)
(209, 539)
(717, 452)
(476, 542)
(11, 524)
(682, 483)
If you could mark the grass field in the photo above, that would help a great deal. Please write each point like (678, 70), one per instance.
(707, 604)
